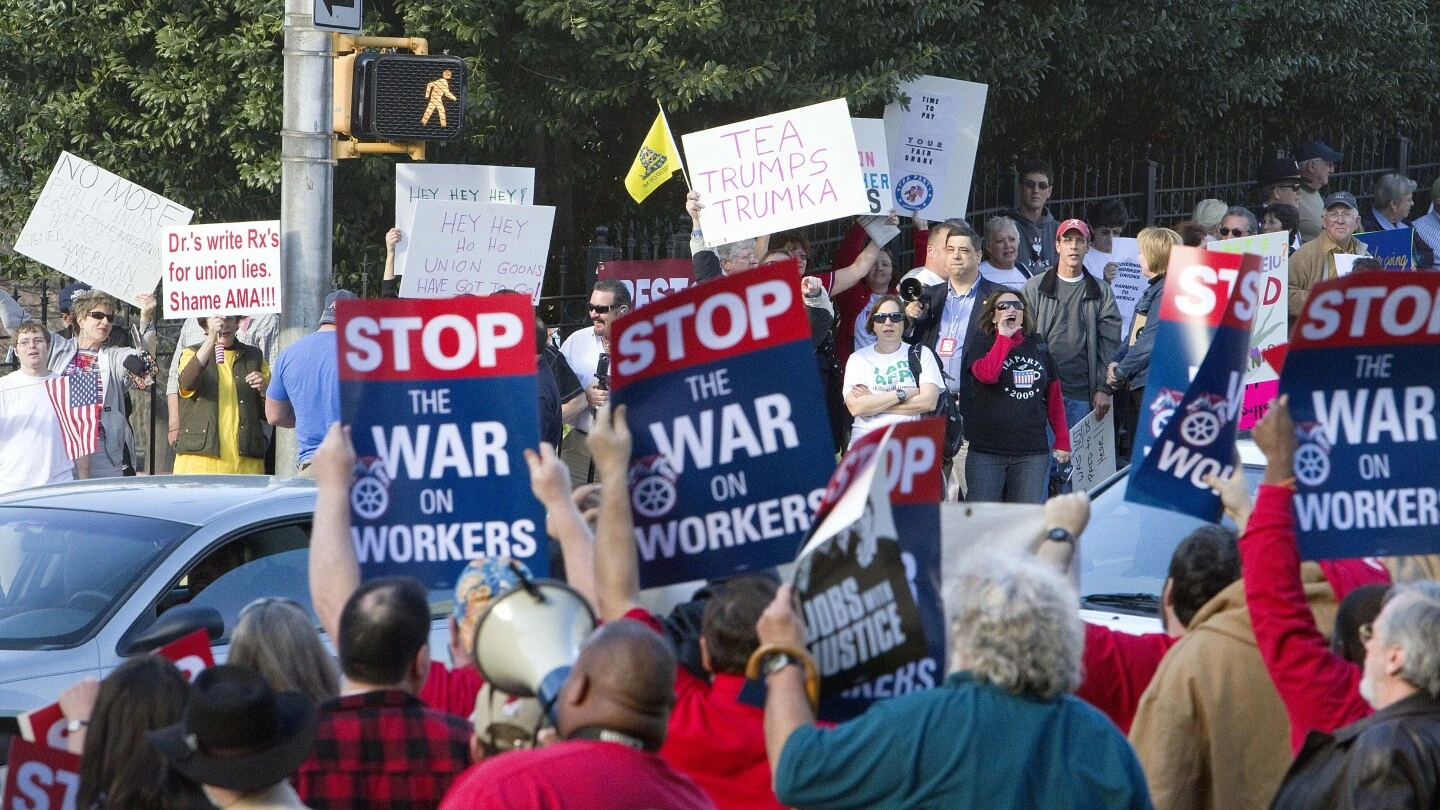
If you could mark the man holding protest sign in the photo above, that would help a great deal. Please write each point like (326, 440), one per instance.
(1315, 260)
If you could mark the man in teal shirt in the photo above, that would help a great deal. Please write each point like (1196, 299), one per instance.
(1003, 731)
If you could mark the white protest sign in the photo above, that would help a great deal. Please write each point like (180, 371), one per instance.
(874, 163)
(466, 248)
(99, 228)
(230, 268)
(1092, 451)
(1129, 282)
(458, 182)
(1345, 263)
(776, 172)
(933, 144)
(1271, 326)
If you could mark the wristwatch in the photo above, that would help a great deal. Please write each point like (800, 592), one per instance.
(1060, 535)
(900, 392)
(75, 725)
(774, 662)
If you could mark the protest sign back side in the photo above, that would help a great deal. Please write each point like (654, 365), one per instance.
(99, 228)
(440, 396)
(933, 145)
(732, 447)
(455, 182)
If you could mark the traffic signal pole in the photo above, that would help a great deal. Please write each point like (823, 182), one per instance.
(307, 181)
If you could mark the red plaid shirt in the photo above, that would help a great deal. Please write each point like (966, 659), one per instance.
(382, 750)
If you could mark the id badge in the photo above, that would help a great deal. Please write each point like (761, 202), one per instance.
(946, 347)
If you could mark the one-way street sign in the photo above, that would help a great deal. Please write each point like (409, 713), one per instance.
(344, 16)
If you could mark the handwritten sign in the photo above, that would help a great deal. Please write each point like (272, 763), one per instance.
(99, 228)
(1092, 451)
(462, 248)
(776, 172)
(874, 162)
(933, 143)
(440, 398)
(1394, 248)
(648, 280)
(1360, 373)
(455, 182)
(1129, 283)
(225, 269)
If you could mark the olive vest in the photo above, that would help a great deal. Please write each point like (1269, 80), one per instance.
(200, 414)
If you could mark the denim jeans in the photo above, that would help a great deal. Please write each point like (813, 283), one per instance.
(1075, 411)
(1007, 479)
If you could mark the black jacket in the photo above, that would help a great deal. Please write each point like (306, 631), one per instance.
(1390, 759)
(926, 328)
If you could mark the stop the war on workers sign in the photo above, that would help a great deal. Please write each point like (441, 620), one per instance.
(1361, 374)
(732, 445)
(440, 397)
(776, 172)
(230, 268)
(1198, 439)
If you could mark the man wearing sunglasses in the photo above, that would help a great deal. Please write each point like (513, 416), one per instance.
(1238, 222)
(1277, 183)
(1032, 219)
(86, 353)
(587, 352)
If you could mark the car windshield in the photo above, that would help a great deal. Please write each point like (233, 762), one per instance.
(1125, 550)
(61, 572)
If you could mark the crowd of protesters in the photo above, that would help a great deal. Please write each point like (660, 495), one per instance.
(1272, 682)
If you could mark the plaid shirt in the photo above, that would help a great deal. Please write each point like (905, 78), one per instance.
(382, 750)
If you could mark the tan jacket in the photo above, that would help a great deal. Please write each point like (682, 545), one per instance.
(1312, 263)
(1210, 730)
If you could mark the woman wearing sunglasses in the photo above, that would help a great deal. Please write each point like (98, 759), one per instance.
(1015, 396)
(880, 385)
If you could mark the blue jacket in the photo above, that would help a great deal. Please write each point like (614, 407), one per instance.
(965, 744)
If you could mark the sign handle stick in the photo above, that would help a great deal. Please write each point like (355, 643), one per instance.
(671, 136)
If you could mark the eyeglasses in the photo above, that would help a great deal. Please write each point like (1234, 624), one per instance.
(601, 309)
(1038, 185)
(889, 317)
(1366, 632)
(1234, 232)
(270, 600)
(1336, 215)
(1015, 305)
(102, 316)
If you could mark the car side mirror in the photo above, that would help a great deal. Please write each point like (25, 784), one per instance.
(174, 623)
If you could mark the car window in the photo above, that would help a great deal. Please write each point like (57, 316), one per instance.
(61, 572)
(1126, 548)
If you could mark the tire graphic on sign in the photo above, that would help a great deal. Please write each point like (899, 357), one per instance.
(1312, 457)
(370, 493)
(652, 486)
(1200, 429)
(1160, 420)
(1162, 408)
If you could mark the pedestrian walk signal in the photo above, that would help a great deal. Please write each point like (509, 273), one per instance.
(404, 97)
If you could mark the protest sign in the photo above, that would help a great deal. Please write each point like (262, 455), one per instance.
(440, 398)
(1199, 438)
(224, 269)
(1129, 283)
(648, 280)
(933, 143)
(732, 444)
(1271, 322)
(874, 163)
(460, 248)
(1198, 284)
(1092, 451)
(455, 182)
(1394, 248)
(1360, 373)
(40, 777)
(1345, 262)
(776, 172)
(861, 617)
(99, 228)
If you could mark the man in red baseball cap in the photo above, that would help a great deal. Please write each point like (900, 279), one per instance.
(1076, 316)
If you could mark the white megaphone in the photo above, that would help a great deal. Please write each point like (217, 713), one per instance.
(527, 640)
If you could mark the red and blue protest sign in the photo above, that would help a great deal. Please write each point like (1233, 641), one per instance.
(1198, 439)
(41, 777)
(1198, 284)
(1361, 374)
(648, 279)
(732, 444)
(440, 397)
(1394, 248)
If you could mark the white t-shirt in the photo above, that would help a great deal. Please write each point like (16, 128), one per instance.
(1095, 262)
(885, 373)
(33, 447)
(926, 277)
(1013, 278)
(582, 351)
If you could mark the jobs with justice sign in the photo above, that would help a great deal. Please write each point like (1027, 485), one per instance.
(1360, 373)
(440, 396)
(732, 444)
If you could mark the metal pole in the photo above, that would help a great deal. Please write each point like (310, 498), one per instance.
(307, 172)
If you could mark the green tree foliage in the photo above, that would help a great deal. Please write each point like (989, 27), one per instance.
(185, 98)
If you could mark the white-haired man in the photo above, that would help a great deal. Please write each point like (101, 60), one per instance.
(1003, 731)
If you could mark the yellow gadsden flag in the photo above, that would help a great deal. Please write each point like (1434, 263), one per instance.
(657, 160)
